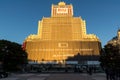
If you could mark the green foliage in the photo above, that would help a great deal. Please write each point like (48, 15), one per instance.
(11, 55)
(110, 56)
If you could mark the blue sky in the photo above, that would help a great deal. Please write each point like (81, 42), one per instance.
(19, 18)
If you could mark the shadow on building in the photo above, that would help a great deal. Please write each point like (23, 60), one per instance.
(84, 59)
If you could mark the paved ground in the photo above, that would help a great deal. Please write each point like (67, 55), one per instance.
(55, 76)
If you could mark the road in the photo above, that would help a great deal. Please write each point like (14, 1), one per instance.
(55, 76)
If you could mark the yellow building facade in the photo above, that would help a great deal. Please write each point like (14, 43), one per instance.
(61, 36)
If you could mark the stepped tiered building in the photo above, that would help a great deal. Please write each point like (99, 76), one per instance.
(61, 36)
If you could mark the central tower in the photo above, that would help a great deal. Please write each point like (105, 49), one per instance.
(61, 37)
(62, 10)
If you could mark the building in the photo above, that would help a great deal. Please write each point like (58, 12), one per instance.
(115, 40)
(60, 37)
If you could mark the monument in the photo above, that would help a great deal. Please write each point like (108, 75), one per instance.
(61, 36)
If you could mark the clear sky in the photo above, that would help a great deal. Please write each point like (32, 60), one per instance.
(19, 18)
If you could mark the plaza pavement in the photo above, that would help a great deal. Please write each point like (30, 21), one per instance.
(55, 76)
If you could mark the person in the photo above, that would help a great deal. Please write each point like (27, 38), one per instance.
(110, 74)
(90, 70)
(117, 74)
(107, 73)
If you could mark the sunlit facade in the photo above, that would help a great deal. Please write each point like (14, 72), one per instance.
(115, 40)
(61, 36)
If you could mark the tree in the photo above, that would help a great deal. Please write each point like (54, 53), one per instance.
(110, 56)
(12, 56)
